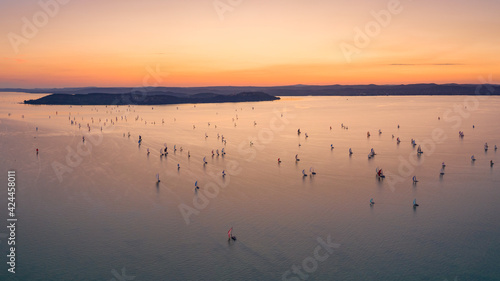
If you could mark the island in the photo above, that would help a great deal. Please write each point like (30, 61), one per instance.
(144, 98)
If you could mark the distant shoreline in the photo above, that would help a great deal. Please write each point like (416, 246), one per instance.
(292, 90)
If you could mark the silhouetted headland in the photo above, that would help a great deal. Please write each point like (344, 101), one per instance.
(139, 98)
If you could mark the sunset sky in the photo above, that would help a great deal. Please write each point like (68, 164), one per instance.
(252, 42)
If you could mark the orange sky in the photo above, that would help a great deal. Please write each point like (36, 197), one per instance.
(252, 42)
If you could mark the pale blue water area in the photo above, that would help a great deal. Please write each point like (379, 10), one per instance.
(108, 214)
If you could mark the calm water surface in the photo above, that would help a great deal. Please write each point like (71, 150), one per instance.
(105, 215)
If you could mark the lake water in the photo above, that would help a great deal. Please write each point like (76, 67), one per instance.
(94, 211)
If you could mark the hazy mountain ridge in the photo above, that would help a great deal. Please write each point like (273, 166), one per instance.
(293, 90)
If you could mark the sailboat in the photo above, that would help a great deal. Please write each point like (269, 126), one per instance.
(419, 150)
(312, 171)
(196, 185)
(158, 177)
(371, 202)
(415, 179)
(230, 235)
(442, 171)
(415, 203)
(204, 160)
(380, 173)
(304, 173)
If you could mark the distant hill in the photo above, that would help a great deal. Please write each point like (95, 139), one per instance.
(148, 99)
(293, 90)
